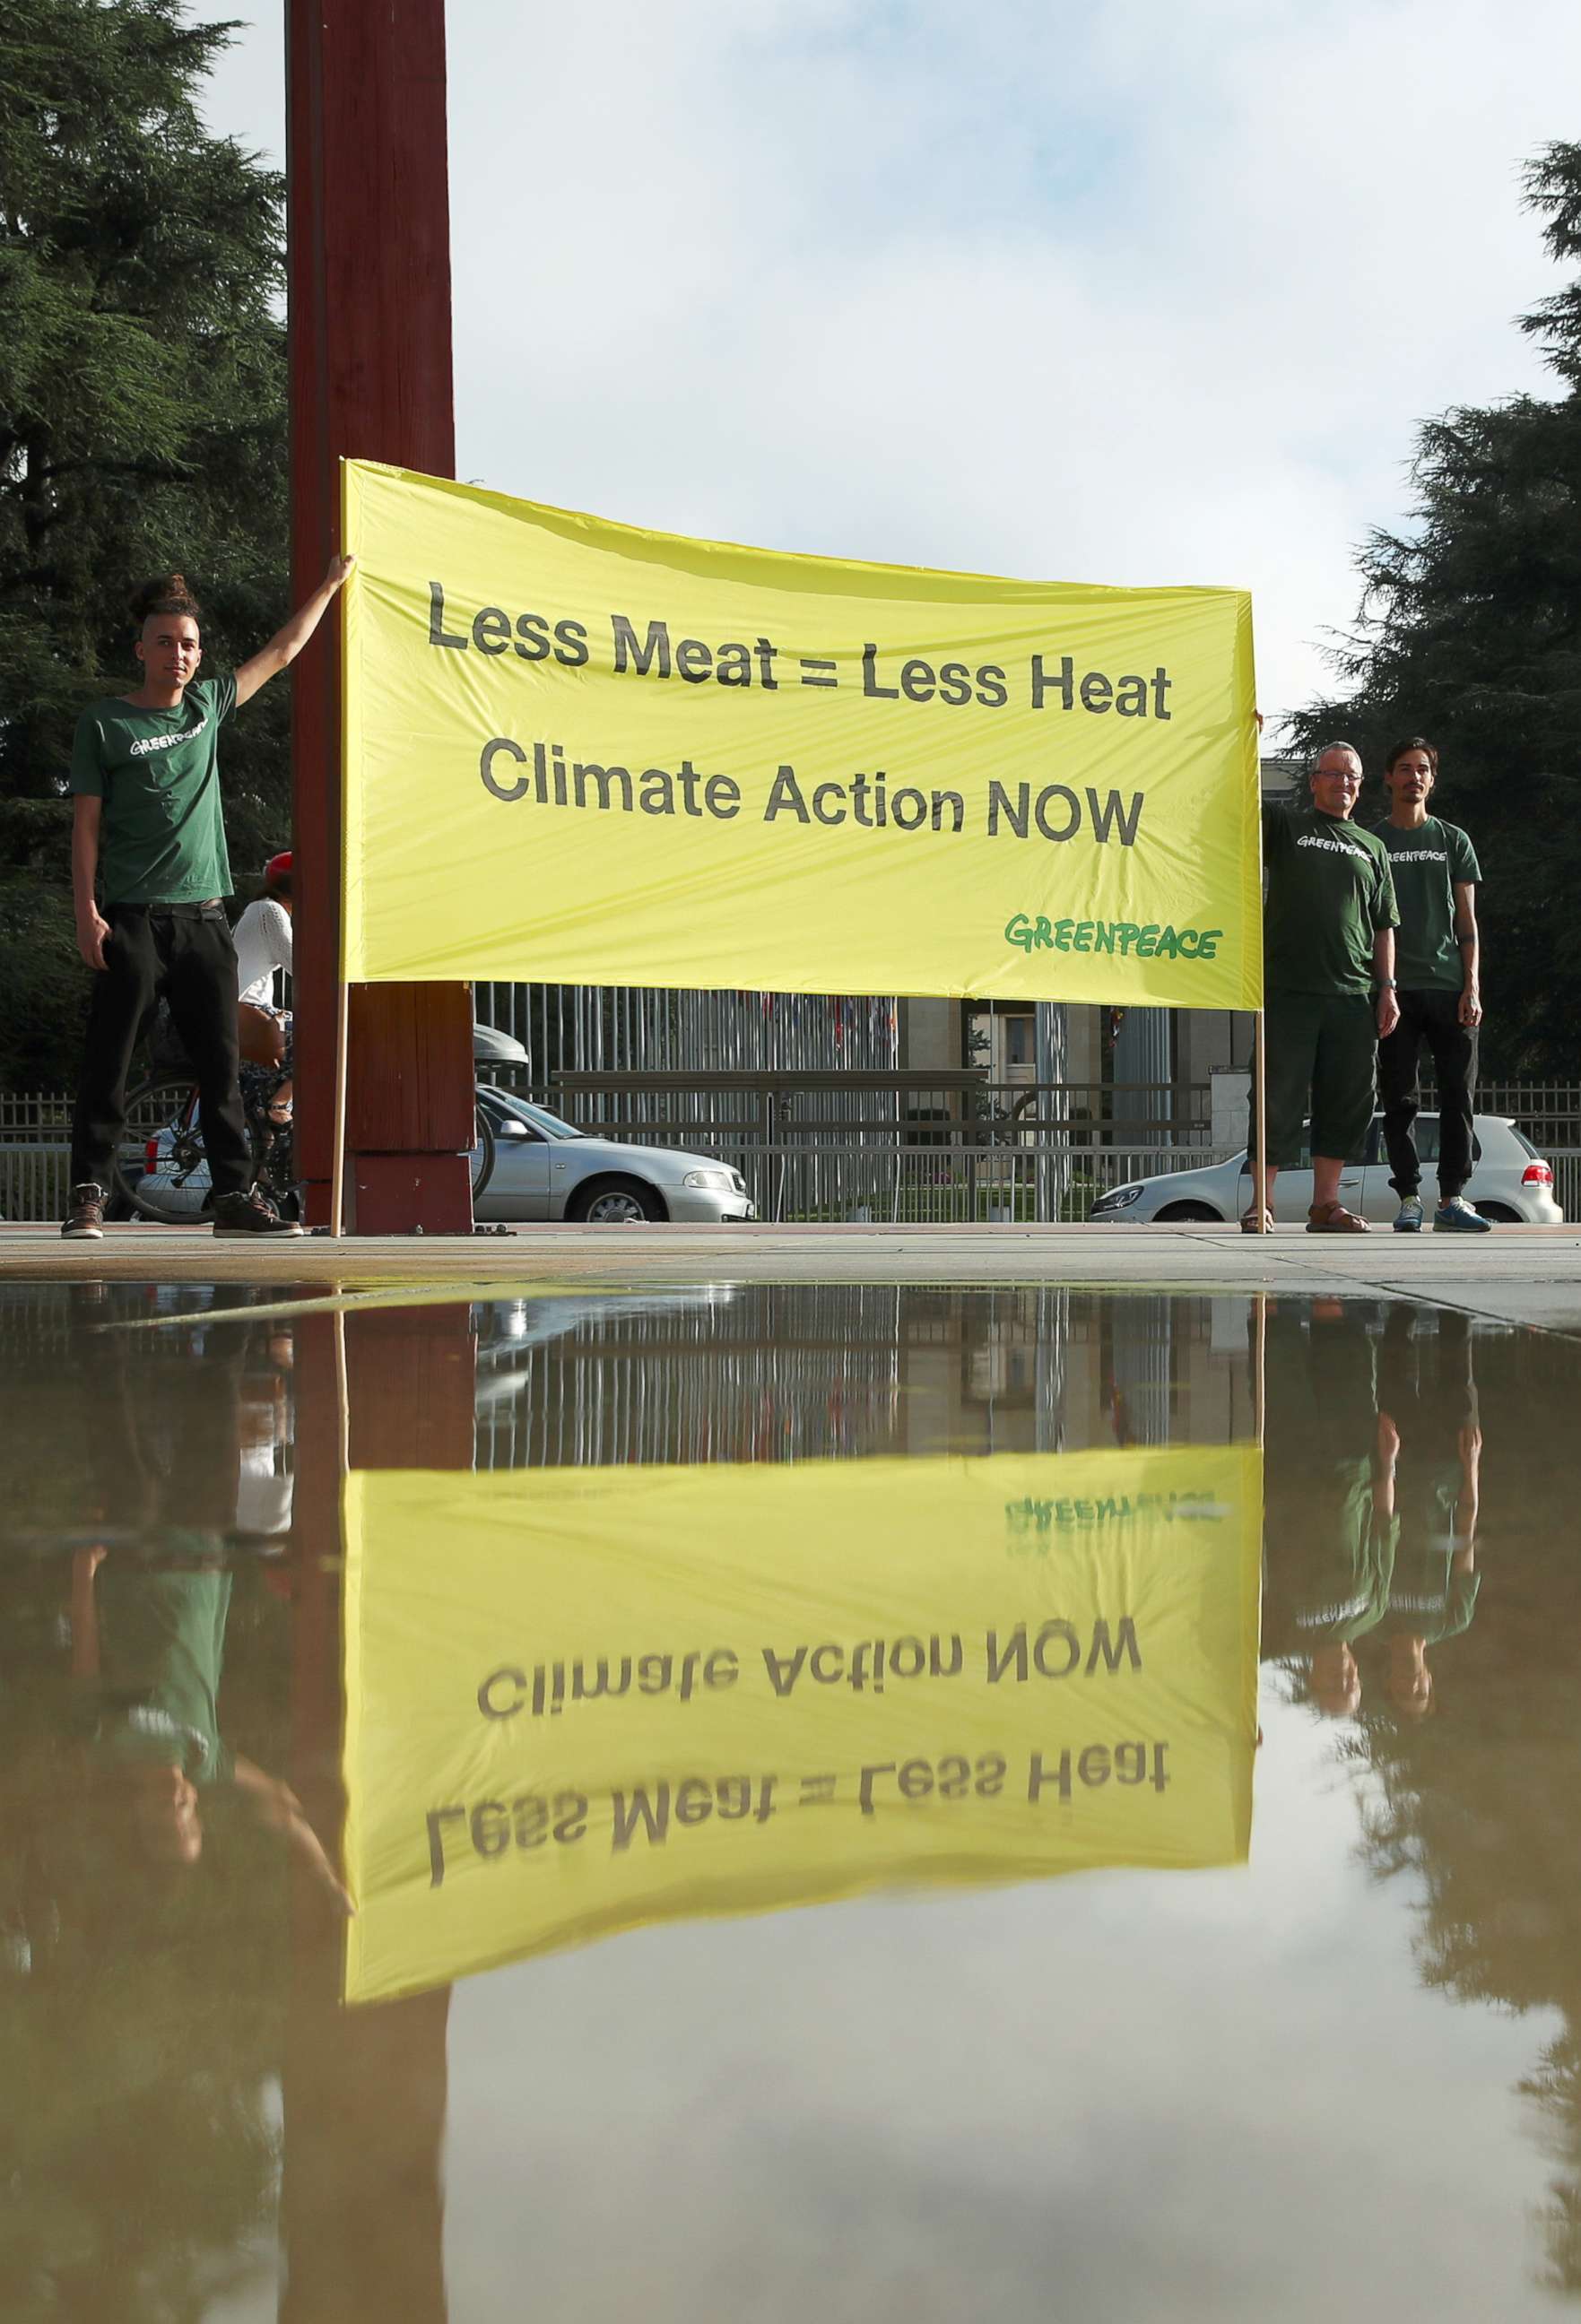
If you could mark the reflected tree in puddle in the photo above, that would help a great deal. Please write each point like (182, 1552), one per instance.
(1478, 1804)
(145, 2002)
(1466, 1734)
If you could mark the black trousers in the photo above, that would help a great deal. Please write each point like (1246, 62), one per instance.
(185, 952)
(1433, 1017)
(1322, 1054)
(1427, 1385)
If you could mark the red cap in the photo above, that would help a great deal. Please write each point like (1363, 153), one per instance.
(278, 868)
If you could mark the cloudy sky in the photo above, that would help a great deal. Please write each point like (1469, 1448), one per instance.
(1137, 291)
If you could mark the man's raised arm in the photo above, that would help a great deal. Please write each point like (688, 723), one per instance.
(286, 643)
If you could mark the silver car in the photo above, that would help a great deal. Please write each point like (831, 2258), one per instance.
(546, 1168)
(1511, 1184)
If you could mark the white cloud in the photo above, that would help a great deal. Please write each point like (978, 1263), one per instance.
(1131, 292)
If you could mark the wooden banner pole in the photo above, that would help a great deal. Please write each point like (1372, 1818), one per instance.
(342, 1409)
(338, 1156)
(1259, 1190)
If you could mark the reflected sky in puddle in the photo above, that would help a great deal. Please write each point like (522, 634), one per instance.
(697, 1692)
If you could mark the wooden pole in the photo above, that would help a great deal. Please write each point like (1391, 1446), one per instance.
(342, 1414)
(1258, 1193)
(338, 1154)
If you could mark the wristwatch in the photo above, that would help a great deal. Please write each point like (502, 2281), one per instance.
(1387, 985)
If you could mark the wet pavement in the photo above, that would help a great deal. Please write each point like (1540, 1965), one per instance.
(1522, 1274)
(731, 1799)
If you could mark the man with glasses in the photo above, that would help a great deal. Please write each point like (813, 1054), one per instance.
(1328, 998)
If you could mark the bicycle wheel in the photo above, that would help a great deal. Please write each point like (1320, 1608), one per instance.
(159, 1166)
(483, 1152)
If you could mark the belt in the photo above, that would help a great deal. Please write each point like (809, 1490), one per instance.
(203, 904)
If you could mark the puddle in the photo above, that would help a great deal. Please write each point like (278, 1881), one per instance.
(900, 1801)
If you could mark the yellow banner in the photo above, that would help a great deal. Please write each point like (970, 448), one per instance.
(579, 1700)
(578, 752)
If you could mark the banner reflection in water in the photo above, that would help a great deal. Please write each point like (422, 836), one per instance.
(579, 1701)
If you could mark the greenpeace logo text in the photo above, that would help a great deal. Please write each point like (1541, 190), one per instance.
(1332, 846)
(148, 743)
(1031, 933)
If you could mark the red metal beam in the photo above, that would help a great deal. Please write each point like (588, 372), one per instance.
(369, 289)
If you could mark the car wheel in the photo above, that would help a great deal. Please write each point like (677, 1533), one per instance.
(1501, 1214)
(1189, 1211)
(616, 1202)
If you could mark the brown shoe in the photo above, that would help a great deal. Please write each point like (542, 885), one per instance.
(250, 1214)
(1333, 1217)
(84, 1221)
(1251, 1224)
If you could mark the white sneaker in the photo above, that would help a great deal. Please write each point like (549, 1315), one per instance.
(1409, 1219)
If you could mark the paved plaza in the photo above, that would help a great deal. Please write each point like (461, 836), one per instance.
(1519, 1275)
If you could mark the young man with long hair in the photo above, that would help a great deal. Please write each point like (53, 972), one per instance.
(1437, 955)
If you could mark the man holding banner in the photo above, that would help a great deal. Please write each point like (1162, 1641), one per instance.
(1330, 922)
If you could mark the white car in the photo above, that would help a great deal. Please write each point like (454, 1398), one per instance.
(546, 1168)
(1511, 1184)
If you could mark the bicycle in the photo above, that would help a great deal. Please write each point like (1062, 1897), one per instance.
(161, 1168)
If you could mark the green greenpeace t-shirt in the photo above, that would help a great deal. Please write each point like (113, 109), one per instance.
(1328, 1584)
(164, 1648)
(1430, 1601)
(1426, 865)
(1329, 891)
(1429, 1598)
(162, 839)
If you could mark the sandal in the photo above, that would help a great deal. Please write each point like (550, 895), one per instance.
(1333, 1217)
(1250, 1225)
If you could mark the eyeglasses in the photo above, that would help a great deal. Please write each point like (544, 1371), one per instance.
(1339, 775)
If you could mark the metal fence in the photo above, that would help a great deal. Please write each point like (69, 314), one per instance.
(607, 1387)
(893, 1148)
(35, 1132)
(1549, 1113)
(925, 1107)
(831, 1183)
(825, 1180)
(912, 1186)
(788, 1372)
(608, 1027)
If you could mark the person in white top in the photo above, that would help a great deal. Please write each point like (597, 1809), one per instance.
(263, 941)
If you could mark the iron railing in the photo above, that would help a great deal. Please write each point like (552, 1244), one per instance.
(832, 1184)
(786, 1373)
(925, 1107)
(603, 1028)
(875, 1150)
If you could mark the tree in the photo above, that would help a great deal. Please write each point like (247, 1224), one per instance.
(143, 426)
(1475, 1807)
(1469, 631)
